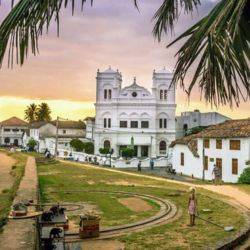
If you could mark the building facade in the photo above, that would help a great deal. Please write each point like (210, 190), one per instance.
(134, 115)
(226, 145)
(11, 131)
(192, 119)
(45, 133)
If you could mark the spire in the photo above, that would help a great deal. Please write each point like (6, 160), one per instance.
(134, 80)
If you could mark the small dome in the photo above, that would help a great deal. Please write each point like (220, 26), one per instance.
(109, 70)
(164, 71)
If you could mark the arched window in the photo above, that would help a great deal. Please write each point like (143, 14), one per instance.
(7, 140)
(165, 94)
(105, 93)
(106, 144)
(110, 94)
(162, 147)
(161, 94)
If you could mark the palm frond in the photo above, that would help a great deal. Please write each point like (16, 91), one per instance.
(23, 26)
(169, 13)
(219, 45)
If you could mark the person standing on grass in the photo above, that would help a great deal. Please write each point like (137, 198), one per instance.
(152, 164)
(192, 206)
(139, 166)
(217, 174)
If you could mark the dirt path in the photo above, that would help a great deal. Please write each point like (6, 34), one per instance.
(135, 204)
(19, 234)
(6, 180)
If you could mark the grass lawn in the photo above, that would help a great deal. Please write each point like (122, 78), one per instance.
(56, 179)
(7, 195)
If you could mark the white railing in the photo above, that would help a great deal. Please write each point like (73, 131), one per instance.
(104, 160)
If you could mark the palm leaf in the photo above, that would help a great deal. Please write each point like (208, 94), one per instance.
(219, 45)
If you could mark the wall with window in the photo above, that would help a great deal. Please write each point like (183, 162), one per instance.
(185, 162)
(231, 154)
(232, 158)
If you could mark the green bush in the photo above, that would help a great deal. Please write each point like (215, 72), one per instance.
(31, 144)
(245, 176)
(104, 151)
(77, 145)
(88, 147)
(127, 152)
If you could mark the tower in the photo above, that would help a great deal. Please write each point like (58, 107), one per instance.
(162, 89)
(108, 85)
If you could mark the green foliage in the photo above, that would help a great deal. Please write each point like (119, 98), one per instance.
(43, 112)
(34, 113)
(128, 152)
(245, 176)
(88, 147)
(77, 145)
(30, 113)
(31, 144)
(104, 151)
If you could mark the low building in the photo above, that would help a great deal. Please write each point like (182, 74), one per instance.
(11, 131)
(226, 144)
(90, 126)
(45, 133)
(194, 119)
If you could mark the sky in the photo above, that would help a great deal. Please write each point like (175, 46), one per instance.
(111, 33)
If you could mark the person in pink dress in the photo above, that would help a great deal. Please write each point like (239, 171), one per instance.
(192, 206)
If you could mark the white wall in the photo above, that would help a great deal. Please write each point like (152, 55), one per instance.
(227, 155)
(194, 165)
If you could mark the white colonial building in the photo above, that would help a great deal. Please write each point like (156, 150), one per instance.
(45, 133)
(226, 145)
(193, 119)
(11, 131)
(134, 115)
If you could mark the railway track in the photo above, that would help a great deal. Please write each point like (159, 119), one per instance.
(167, 212)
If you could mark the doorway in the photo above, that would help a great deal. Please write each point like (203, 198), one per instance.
(15, 142)
(144, 151)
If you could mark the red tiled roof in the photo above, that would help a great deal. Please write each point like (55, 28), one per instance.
(14, 122)
(228, 129)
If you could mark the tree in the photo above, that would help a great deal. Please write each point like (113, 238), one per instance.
(88, 147)
(104, 151)
(77, 145)
(43, 112)
(31, 144)
(128, 152)
(30, 113)
(217, 45)
(245, 176)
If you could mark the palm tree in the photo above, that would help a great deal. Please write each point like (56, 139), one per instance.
(217, 46)
(43, 112)
(30, 113)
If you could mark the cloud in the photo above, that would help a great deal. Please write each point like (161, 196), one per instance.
(109, 33)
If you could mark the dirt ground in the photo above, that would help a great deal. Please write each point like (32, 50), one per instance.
(6, 180)
(135, 204)
(97, 245)
(19, 234)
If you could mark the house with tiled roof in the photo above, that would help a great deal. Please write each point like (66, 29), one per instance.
(45, 133)
(226, 145)
(11, 131)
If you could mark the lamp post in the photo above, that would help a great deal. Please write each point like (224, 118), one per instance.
(56, 142)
